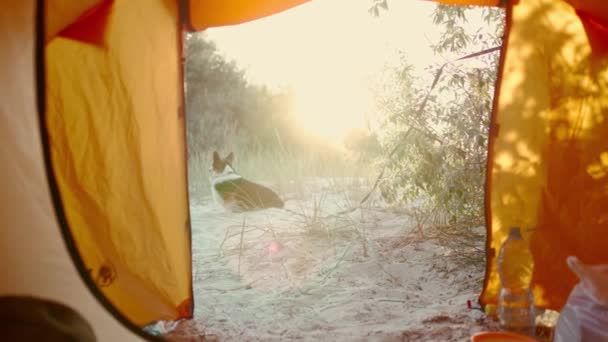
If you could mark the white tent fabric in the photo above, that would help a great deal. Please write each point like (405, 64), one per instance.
(33, 256)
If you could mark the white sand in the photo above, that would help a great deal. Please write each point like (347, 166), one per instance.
(364, 276)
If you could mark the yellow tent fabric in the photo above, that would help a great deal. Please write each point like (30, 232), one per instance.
(548, 157)
(33, 257)
(117, 141)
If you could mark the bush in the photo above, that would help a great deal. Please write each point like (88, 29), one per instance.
(435, 144)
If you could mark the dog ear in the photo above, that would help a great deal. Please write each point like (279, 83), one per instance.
(229, 158)
(216, 156)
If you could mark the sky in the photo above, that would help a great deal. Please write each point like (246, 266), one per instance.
(326, 51)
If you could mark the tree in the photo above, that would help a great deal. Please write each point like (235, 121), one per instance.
(437, 151)
(223, 107)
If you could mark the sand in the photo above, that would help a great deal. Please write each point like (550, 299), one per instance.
(300, 273)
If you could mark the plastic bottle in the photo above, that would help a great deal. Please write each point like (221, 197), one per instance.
(516, 311)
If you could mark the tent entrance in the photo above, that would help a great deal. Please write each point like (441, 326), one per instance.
(338, 120)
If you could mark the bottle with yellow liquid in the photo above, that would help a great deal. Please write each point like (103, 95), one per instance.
(516, 310)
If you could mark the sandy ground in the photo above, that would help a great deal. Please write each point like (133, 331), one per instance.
(302, 274)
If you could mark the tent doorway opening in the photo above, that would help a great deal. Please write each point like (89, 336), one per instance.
(377, 227)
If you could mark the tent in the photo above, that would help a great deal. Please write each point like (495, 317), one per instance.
(95, 202)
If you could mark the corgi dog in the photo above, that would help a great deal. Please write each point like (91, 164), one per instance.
(234, 192)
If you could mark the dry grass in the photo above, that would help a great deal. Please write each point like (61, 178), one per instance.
(285, 171)
(324, 192)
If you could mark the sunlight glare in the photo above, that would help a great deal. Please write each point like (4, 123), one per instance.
(330, 109)
(327, 62)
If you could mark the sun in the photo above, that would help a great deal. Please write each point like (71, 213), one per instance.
(329, 109)
(326, 61)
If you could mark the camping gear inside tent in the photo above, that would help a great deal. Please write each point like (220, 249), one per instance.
(94, 200)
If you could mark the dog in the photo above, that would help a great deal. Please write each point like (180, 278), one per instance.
(235, 193)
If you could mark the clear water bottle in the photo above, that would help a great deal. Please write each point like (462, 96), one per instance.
(515, 310)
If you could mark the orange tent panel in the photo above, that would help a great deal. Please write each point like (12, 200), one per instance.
(548, 157)
(33, 257)
(117, 141)
(472, 2)
(204, 13)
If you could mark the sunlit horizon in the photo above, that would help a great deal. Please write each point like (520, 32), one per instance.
(325, 52)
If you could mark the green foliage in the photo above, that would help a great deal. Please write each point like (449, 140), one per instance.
(377, 6)
(363, 145)
(457, 38)
(223, 109)
(440, 149)
(226, 113)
